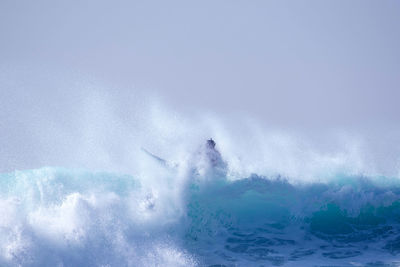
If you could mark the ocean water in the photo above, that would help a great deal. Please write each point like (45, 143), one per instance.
(196, 215)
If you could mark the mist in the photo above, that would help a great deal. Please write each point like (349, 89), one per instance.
(292, 88)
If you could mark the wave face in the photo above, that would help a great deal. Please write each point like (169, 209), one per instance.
(63, 217)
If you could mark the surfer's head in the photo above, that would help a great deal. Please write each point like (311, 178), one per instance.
(210, 143)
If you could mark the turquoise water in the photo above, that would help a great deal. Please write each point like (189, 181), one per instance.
(63, 217)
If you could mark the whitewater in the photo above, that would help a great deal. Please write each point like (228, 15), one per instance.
(137, 185)
(196, 212)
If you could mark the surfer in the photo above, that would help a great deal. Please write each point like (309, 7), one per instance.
(207, 159)
(213, 154)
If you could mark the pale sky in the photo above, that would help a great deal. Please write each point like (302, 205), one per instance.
(310, 63)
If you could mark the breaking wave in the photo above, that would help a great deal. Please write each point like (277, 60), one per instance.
(68, 217)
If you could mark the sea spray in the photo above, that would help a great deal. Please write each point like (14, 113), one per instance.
(63, 217)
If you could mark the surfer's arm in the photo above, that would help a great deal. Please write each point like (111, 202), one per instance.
(158, 159)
